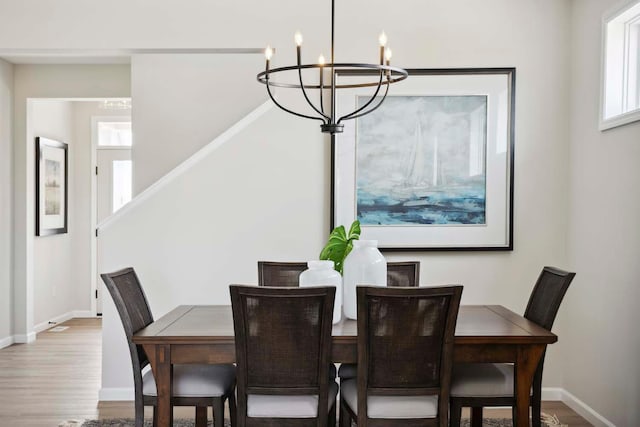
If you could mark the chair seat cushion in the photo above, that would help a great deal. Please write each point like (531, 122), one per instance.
(348, 371)
(287, 406)
(195, 381)
(390, 407)
(482, 380)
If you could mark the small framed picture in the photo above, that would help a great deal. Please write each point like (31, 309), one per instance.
(432, 167)
(51, 186)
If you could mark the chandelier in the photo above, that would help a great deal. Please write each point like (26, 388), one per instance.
(382, 74)
(115, 104)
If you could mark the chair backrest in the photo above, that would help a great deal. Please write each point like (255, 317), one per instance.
(405, 342)
(280, 274)
(403, 274)
(135, 314)
(547, 295)
(283, 342)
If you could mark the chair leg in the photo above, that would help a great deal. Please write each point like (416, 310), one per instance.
(201, 416)
(233, 410)
(139, 408)
(455, 413)
(155, 417)
(218, 412)
(476, 416)
(345, 418)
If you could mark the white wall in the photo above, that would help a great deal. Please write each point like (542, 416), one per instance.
(188, 247)
(600, 359)
(6, 202)
(45, 81)
(218, 90)
(53, 261)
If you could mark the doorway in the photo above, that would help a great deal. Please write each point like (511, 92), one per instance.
(113, 172)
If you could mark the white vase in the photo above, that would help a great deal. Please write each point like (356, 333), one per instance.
(364, 265)
(321, 273)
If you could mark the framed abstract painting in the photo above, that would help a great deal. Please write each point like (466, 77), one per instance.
(432, 167)
(51, 186)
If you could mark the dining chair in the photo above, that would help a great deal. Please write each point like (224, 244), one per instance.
(280, 274)
(283, 350)
(403, 273)
(285, 275)
(405, 354)
(193, 385)
(399, 274)
(478, 385)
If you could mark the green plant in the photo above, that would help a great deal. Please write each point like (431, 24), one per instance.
(340, 244)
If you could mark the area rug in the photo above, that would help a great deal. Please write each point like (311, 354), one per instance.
(548, 421)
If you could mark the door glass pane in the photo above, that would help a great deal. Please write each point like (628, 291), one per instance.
(114, 134)
(121, 183)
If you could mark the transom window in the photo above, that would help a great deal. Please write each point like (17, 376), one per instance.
(114, 134)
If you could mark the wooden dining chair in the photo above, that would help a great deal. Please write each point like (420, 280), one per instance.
(283, 350)
(478, 385)
(280, 274)
(193, 385)
(399, 274)
(405, 354)
(403, 273)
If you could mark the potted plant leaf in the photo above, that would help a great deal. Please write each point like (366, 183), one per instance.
(340, 244)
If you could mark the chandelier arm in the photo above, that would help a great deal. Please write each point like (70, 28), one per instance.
(304, 92)
(368, 102)
(289, 111)
(351, 116)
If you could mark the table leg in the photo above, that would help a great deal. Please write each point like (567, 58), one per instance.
(526, 364)
(163, 374)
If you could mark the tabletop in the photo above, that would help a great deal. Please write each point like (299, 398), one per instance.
(477, 324)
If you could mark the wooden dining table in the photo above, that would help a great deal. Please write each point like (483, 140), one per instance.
(203, 334)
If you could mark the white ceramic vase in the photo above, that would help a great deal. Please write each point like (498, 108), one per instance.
(322, 273)
(364, 265)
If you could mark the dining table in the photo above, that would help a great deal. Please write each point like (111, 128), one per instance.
(204, 334)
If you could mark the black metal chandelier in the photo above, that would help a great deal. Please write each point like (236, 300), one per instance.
(384, 72)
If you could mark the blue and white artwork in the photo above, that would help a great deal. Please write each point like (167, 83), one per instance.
(422, 160)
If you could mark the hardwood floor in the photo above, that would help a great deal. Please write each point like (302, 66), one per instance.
(57, 378)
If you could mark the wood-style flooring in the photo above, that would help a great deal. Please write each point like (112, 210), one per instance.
(57, 378)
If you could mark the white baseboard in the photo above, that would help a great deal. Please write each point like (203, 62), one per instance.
(585, 411)
(24, 339)
(47, 325)
(107, 394)
(60, 319)
(6, 342)
(81, 314)
(552, 393)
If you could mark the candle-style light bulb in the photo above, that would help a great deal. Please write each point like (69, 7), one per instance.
(388, 54)
(382, 39)
(268, 53)
(298, 38)
(321, 59)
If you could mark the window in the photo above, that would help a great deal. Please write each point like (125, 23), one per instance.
(621, 66)
(121, 185)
